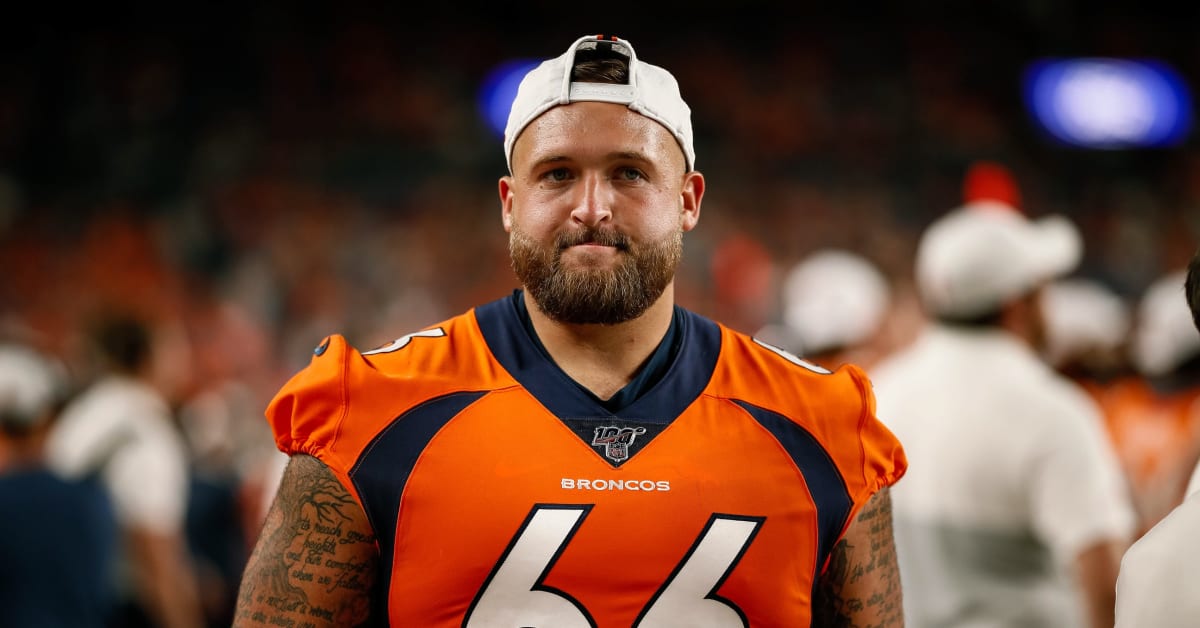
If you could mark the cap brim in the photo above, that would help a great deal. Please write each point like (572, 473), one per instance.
(1055, 246)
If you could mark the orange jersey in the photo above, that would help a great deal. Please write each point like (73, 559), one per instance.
(501, 493)
(1155, 436)
(1152, 431)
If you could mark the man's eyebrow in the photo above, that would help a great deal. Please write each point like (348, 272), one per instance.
(552, 159)
(549, 159)
(629, 154)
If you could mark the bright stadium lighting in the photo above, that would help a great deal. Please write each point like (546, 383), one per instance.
(1107, 103)
(499, 89)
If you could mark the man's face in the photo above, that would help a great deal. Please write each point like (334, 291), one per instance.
(596, 209)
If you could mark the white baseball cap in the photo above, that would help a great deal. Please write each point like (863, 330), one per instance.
(1083, 315)
(980, 255)
(651, 91)
(29, 384)
(1165, 336)
(833, 298)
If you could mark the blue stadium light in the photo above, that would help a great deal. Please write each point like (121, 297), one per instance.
(499, 89)
(1109, 104)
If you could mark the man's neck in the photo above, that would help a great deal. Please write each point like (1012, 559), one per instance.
(603, 358)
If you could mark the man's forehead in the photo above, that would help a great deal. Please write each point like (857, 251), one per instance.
(608, 129)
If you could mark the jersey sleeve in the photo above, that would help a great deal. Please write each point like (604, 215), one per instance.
(881, 461)
(306, 413)
(835, 408)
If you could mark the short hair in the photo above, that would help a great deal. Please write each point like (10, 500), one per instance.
(600, 65)
(1192, 288)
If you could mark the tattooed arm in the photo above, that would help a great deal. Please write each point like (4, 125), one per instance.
(861, 586)
(316, 558)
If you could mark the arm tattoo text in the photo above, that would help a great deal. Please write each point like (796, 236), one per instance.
(861, 586)
(315, 564)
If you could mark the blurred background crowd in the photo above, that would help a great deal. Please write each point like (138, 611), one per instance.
(246, 180)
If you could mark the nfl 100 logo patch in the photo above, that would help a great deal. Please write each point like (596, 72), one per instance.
(616, 440)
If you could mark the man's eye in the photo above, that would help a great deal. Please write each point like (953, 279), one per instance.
(630, 174)
(558, 174)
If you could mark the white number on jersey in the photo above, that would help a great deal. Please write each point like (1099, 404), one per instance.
(403, 341)
(793, 359)
(513, 596)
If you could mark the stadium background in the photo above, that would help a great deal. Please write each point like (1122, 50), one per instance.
(255, 177)
(252, 177)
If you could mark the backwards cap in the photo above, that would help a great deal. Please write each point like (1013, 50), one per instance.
(651, 92)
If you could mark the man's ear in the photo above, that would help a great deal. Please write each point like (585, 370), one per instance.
(506, 200)
(691, 195)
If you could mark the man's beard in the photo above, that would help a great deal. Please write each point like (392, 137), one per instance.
(599, 296)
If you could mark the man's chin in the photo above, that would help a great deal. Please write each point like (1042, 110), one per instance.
(602, 298)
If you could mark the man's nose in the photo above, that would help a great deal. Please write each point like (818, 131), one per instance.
(594, 203)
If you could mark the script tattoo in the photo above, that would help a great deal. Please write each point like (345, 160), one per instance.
(861, 586)
(315, 562)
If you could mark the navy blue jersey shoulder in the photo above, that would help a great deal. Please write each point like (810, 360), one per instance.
(684, 380)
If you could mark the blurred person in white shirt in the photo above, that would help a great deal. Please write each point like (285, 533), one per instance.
(121, 429)
(1013, 513)
(1154, 587)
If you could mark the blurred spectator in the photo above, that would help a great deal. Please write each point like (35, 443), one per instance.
(1087, 327)
(58, 538)
(833, 305)
(215, 521)
(1153, 417)
(120, 428)
(1153, 588)
(986, 180)
(229, 447)
(1014, 502)
(1163, 342)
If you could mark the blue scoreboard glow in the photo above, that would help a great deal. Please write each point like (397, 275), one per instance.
(1109, 104)
(499, 89)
